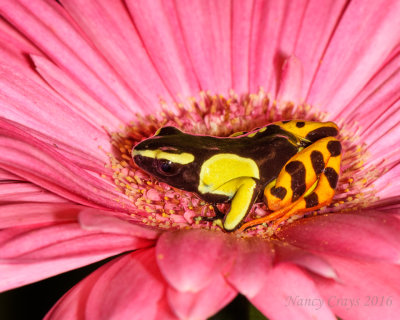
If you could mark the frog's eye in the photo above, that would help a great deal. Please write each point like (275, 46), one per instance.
(166, 167)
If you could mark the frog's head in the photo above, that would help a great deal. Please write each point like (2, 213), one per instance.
(170, 157)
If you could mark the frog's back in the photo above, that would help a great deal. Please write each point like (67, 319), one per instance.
(270, 147)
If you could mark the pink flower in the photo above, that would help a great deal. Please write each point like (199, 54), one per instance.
(81, 82)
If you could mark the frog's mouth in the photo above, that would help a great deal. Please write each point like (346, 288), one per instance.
(144, 163)
(138, 159)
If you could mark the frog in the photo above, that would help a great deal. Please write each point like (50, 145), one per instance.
(292, 166)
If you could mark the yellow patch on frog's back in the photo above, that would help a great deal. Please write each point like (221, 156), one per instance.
(222, 168)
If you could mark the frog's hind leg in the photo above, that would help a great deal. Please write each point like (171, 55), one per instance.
(306, 183)
(320, 196)
(309, 130)
(301, 173)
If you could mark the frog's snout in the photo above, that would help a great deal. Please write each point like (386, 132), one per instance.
(138, 159)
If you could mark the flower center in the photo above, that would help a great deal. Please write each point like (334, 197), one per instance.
(159, 205)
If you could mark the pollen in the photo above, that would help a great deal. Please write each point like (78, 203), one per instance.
(157, 205)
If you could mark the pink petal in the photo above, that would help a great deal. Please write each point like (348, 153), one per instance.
(382, 144)
(379, 126)
(15, 46)
(70, 305)
(125, 288)
(168, 53)
(78, 99)
(318, 24)
(29, 254)
(31, 105)
(345, 72)
(242, 12)
(164, 310)
(389, 205)
(363, 291)
(204, 303)
(290, 294)
(26, 214)
(365, 235)
(48, 26)
(380, 90)
(21, 191)
(266, 21)
(190, 260)
(288, 253)
(292, 21)
(388, 184)
(206, 29)
(95, 220)
(132, 285)
(39, 163)
(6, 176)
(249, 270)
(275, 26)
(291, 80)
(138, 77)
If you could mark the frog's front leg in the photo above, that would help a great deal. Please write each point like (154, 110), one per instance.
(241, 203)
(244, 192)
(306, 183)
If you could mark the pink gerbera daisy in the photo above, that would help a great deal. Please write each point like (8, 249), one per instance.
(81, 82)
